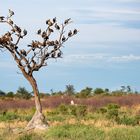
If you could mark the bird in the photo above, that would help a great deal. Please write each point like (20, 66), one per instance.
(46, 37)
(59, 54)
(57, 26)
(39, 32)
(47, 55)
(23, 52)
(17, 28)
(55, 47)
(54, 20)
(75, 31)
(70, 33)
(44, 34)
(2, 18)
(67, 21)
(63, 38)
(56, 42)
(25, 32)
(11, 13)
(51, 30)
(53, 55)
(49, 22)
(16, 47)
(11, 22)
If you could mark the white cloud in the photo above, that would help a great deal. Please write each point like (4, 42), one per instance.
(125, 58)
(98, 58)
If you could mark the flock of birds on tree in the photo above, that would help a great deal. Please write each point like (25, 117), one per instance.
(38, 52)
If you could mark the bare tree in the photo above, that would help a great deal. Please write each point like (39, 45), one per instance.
(35, 55)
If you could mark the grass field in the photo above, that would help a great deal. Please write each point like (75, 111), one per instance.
(78, 122)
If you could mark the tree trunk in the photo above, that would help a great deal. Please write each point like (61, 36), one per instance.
(38, 120)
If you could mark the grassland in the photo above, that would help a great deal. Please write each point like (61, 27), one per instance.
(103, 121)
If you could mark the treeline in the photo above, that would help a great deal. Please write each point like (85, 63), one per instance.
(23, 93)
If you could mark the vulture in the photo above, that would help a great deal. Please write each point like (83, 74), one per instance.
(11, 12)
(49, 22)
(70, 33)
(63, 38)
(57, 27)
(67, 21)
(2, 18)
(39, 32)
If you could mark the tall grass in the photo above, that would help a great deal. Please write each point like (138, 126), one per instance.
(55, 101)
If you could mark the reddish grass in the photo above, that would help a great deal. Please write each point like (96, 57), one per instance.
(54, 101)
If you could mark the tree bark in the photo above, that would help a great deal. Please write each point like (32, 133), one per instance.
(38, 120)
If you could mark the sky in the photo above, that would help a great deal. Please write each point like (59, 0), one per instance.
(105, 53)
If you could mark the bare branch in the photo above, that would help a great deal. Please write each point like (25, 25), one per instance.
(36, 56)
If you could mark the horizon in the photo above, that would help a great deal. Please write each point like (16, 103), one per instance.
(105, 53)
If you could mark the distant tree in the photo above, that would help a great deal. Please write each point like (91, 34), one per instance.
(35, 56)
(42, 95)
(10, 94)
(85, 93)
(23, 93)
(2, 93)
(98, 91)
(70, 90)
(107, 91)
(129, 90)
(123, 89)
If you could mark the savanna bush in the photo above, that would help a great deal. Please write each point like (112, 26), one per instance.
(75, 110)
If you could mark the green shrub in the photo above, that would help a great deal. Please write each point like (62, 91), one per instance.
(78, 111)
(112, 106)
(32, 136)
(102, 110)
(81, 110)
(8, 116)
(74, 132)
(129, 120)
(63, 109)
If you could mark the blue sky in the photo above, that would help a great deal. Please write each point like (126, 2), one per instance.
(105, 53)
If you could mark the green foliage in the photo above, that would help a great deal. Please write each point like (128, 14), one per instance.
(98, 91)
(78, 111)
(63, 109)
(102, 110)
(129, 120)
(113, 111)
(42, 95)
(10, 94)
(112, 106)
(124, 134)
(32, 136)
(84, 93)
(2, 93)
(23, 93)
(74, 132)
(7, 116)
(70, 90)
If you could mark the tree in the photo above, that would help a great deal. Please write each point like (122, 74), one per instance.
(10, 94)
(98, 91)
(23, 93)
(2, 93)
(70, 90)
(85, 92)
(35, 56)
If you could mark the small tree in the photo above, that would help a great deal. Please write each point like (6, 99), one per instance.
(70, 90)
(10, 94)
(2, 93)
(35, 56)
(23, 93)
(84, 93)
(98, 91)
